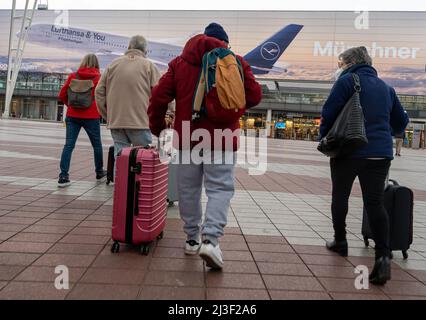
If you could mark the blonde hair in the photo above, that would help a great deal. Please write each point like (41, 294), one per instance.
(90, 61)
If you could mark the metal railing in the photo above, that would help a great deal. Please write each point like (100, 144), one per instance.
(43, 86)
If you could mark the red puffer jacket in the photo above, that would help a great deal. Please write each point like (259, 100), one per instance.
(84, 74)
(179, 84)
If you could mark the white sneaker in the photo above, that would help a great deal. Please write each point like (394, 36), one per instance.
(192, 247)
(212, 255)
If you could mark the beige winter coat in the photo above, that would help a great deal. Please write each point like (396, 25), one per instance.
(122, 95)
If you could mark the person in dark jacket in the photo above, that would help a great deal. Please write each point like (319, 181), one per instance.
(179, 83)
(383, 114)
(77, 118)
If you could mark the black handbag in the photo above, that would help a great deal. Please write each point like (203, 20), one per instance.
(348, 131)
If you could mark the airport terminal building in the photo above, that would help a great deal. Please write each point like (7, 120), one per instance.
(293, 54)
(292, 108)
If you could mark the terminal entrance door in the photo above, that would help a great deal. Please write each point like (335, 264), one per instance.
(295, 126)
(15, 109)
(1, 105)
(60, 114)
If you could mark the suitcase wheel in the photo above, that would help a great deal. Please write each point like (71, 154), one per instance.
(115, 247)
(160, 236)
(366, 242)
(405, 254)
(145, 250)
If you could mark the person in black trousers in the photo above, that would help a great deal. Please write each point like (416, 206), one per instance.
(383, 114)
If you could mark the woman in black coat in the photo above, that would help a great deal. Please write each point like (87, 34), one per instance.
(383, 114)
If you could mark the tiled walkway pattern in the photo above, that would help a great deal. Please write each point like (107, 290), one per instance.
(273, 248)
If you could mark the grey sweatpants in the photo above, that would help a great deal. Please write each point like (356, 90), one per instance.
(219, 186)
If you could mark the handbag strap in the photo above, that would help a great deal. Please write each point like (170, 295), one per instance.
(357, 81)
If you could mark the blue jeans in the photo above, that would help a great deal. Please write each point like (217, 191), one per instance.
(124, 138)
(93, 130)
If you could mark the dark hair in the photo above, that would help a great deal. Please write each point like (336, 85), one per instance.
(356, 55)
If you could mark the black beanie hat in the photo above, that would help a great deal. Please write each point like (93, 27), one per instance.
(215, 30)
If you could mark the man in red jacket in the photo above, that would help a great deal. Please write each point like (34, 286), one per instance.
(179, 83)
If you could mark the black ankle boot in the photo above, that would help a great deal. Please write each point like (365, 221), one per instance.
(340, 247)
(381, 271)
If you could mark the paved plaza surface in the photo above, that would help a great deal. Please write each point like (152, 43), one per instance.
(273, 247)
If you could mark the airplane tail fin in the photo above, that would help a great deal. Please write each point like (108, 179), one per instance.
(264, 56)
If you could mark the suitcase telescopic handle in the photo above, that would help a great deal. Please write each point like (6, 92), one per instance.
(394, 182)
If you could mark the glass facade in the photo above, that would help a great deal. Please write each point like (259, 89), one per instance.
(295, 126)
(35, 98)
(34, 108)
(36, 81)
(410, 102)
(272, 92)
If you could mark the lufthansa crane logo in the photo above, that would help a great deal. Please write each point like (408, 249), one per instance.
(270, 51)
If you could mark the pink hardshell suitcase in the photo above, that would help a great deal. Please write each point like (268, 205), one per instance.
(140, 198)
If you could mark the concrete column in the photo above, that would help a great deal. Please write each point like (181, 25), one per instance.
(19, 107)
(269, 122)
(64, 113)
(417, 131)
(36, 114)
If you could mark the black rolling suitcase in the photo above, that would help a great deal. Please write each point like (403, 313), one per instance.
(110, 166)
(399, 203)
